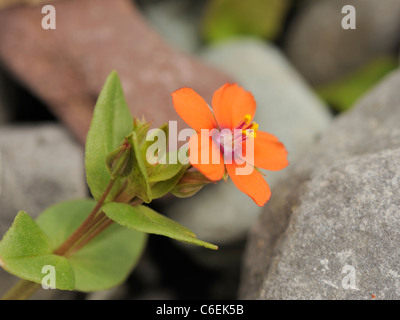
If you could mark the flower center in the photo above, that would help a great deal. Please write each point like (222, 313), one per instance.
(230, 141)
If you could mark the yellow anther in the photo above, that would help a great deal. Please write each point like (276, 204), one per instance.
(254, 126)
(247, 118)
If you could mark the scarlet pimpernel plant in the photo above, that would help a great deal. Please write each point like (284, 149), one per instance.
(94, 244)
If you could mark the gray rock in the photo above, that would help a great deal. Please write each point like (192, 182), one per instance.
(39, 166)
(286, 107)
(350, 175)
(371, 126)
(323, 51)
(177, 21)
(346, 225)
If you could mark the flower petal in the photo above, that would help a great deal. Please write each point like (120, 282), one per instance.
(231, 104)
(253, 184)
(193, 109)
(269, 153)
(206, 157)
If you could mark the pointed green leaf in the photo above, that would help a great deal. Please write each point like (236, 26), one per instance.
(111, 122)
(144, 219)
(104, 262)
(24, 239)
(26, 249)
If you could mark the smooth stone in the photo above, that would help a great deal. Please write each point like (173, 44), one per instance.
(347, 224)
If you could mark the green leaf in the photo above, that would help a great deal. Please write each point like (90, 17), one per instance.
(111, 123)
(25, 249)
(226, 18)
(17, 243)
(108, 260)
(144, 219)
(104, 262)
(30, 268)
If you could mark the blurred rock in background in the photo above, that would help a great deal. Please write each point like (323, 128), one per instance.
(67, 67)
(229, 18)
(177, 21)
(342, 94)
(323, 51)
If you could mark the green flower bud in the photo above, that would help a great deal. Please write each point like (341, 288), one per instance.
(120, 161)
(190, 183)
(141, 127)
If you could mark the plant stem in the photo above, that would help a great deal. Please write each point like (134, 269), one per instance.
(21, 291)
(100, 227)
(86, 225)
(89, 229)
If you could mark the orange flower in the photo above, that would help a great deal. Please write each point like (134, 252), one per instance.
(222, 134)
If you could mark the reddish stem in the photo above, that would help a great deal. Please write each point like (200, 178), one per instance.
(86, 225)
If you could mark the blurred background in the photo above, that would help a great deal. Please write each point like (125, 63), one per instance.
(303, 68)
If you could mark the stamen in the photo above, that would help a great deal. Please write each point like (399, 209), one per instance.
(245, 122)
(254, 126)
(247, 119)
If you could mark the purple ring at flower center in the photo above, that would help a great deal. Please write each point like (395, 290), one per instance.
(230, 142)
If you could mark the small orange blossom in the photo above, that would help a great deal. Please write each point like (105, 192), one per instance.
(233, 108)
